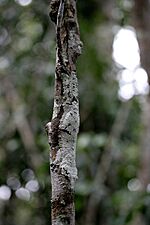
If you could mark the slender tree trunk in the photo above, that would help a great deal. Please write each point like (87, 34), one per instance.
(142, 25)
(144, 172)
(62, 130)
(141, 22)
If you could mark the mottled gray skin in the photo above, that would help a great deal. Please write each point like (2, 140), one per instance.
(63, 129)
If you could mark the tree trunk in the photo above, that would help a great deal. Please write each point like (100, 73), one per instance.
(142, 25)
(62, 130)
(144, 171)
(141, 22)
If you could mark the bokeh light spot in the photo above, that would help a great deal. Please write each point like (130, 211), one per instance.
(24, 2)
(126, 92)
(27, 174)
(23, 194)
(5, 193)
(126, 49)
(4, 63)
(32, 185)
(134, 184)
(13, 183)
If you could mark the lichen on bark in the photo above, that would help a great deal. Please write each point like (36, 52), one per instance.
(63, 129)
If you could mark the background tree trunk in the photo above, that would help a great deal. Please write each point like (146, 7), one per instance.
(63, 129)
(141, 22)
(142, 25)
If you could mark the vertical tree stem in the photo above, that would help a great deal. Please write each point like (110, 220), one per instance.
(141, 21)
(63, 129)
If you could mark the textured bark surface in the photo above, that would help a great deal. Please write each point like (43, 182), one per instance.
(62, 130)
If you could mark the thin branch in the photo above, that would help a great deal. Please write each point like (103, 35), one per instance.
(18, 111)
(99, 189)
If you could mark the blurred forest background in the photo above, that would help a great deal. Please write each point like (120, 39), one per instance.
(113, 150)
